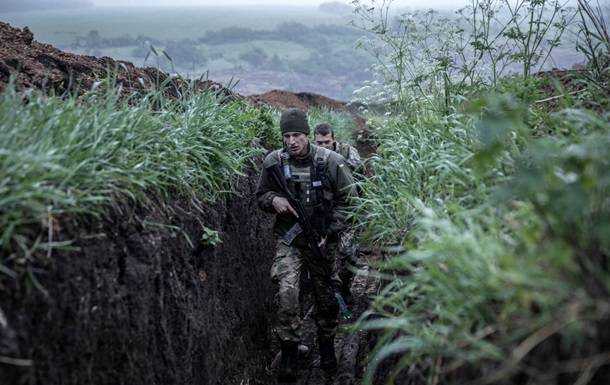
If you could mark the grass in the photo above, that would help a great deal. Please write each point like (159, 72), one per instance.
(500, 208)
(342, 123)
(74, 157)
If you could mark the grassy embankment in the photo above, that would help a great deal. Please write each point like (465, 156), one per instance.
(77, 156)
(505, 236)
(497, 202)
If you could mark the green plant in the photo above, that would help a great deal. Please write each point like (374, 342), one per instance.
(210, 237)
(76, 156)
(537, 31)
(438, 57)
(594, 41)
(505, 252)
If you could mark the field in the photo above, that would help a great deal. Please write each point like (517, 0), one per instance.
(296, 62)
(61, 27)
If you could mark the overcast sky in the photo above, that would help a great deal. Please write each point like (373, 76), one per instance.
(414, 3)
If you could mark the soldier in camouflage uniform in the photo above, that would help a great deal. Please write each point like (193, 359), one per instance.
(321, 180)
(347, 249)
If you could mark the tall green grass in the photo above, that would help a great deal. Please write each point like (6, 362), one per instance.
(342, 122)
(504, 275)
(71, 157)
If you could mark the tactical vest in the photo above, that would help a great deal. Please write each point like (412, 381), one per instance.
(309, 184)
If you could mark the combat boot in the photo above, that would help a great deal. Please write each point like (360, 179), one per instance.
(328, 360)
(287, 372)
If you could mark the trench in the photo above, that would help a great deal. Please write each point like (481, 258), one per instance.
(144, 301)
(140, 299)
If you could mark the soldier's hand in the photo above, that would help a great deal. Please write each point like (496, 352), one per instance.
(282, 206)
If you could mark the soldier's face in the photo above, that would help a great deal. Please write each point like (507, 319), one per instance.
(295, 143)
(326, 141)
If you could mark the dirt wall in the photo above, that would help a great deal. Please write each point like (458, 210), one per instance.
(138, 305)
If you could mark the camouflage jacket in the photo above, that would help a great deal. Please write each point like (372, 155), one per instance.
(326, 197)
(351, 155)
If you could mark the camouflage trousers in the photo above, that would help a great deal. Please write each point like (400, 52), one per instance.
(288, 265)
(345, 260)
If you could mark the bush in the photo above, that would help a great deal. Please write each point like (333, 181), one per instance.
(256, 57)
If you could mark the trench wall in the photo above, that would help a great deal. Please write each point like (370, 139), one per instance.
(136, 304)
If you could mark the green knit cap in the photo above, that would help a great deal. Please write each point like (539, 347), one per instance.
(294, 120)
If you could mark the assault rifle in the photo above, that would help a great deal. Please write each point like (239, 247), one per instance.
(304, 226)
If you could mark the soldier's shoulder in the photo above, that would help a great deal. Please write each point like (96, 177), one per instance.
(327, 155)
(336, 160)
(335, 157)
(351, 149)
(272, 158)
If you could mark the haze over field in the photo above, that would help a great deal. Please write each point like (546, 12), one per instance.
(410, 3)
(265, 44)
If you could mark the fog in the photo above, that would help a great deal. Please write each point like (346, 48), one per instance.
(412, 3)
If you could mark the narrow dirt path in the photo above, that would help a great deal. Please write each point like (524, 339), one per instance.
(350, 346)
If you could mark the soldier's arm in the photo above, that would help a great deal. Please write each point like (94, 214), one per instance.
(343, 191)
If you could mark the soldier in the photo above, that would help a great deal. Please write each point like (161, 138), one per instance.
(347, 249)
(325, 137)
(320, 183)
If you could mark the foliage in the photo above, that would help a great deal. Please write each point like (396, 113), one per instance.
(255, 57)
(594, 41)
(505, 237)
(496, 198)
(431, 54)
(71, 157)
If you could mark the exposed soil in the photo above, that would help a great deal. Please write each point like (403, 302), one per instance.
(302, 100)
(137, 304)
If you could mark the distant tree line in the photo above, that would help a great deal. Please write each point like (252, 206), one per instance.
(93, 40)
(330, 46)
(289, 31)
